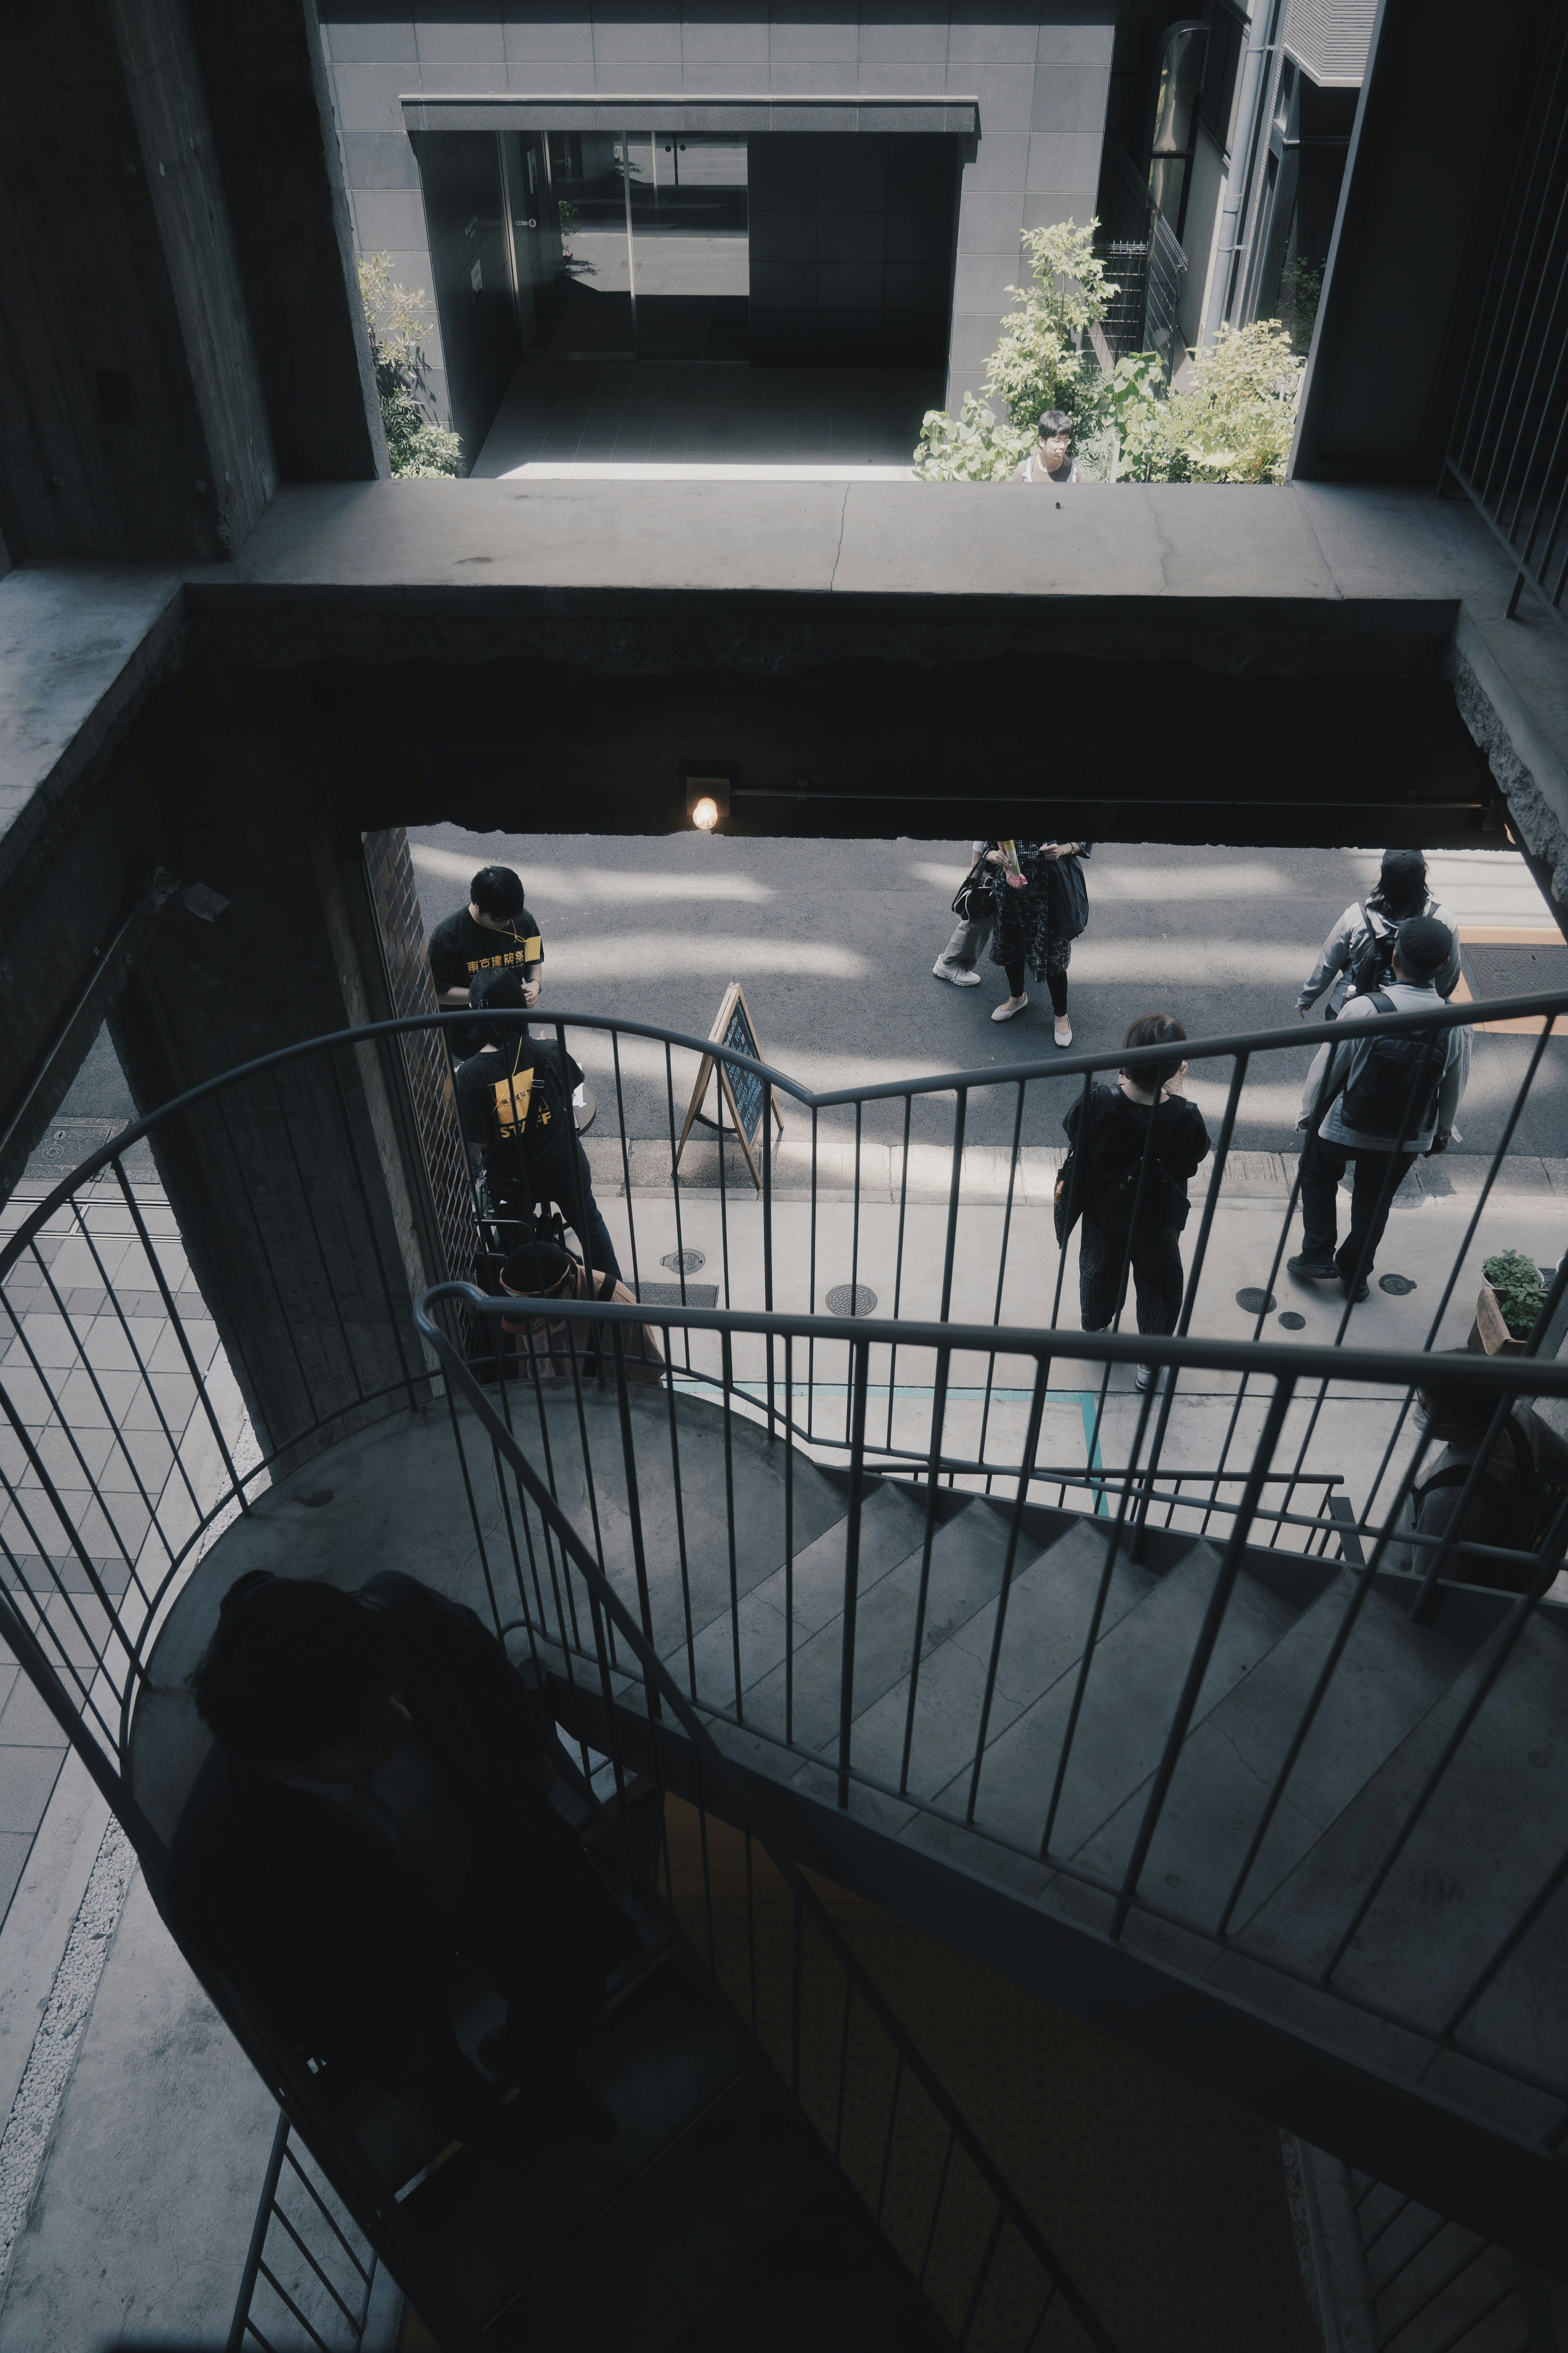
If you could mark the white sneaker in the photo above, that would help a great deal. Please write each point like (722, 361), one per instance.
(959, 977)
(1006, 1012)
(1062, 1032)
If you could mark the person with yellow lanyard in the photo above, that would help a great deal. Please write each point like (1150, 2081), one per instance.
(514, 1107)
(494, 932)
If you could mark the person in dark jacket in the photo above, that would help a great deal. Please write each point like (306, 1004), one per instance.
(1522, 1482)
(514, 1107)
(1134, 1212)
(495, 933)
(376, 1805)
(1030, 933)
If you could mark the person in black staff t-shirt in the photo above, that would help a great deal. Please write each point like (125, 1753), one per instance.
(495, 933)
(514, 1107)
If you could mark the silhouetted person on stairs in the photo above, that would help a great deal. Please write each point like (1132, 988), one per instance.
(377, 1806)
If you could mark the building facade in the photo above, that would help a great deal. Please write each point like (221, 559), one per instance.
(831, 183)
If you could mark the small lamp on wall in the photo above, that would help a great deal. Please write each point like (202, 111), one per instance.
(707, 802)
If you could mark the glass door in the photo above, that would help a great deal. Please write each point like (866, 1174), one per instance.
(654, 253)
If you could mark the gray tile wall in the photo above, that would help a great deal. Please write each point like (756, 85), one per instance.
(1041, 69)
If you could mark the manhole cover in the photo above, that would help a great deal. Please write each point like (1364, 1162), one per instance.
(846, 1299)
(1256, 1303)
(1292, 1321)
(684, 1262)
(1397, 1285)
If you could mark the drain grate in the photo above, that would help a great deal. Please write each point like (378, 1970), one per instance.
(846, 1300)
(1256, 1303)
(684, 1261)
(1396, 1286)
(1292, 1321)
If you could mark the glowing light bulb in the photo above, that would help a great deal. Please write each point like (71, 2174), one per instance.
(705, 815)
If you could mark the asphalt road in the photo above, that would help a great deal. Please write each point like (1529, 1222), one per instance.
(833, 944)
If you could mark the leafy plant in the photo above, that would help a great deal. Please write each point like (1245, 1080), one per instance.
(1233, 422)
(1520, 1290)
(566, 213)
(1037, 364)
(396, 316)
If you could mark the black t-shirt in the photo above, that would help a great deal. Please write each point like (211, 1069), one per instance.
(1112, 1150)
(462, 949)
(516, 1102)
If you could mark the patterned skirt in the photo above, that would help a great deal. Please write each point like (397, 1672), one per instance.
(1023, 934)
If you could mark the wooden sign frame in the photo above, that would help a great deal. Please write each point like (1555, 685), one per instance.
(734, 996)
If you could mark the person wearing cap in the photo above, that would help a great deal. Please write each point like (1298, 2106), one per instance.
(495, 933)
(514, 1107)
(1051, 460)
(1378, 1105)
(1356, 955)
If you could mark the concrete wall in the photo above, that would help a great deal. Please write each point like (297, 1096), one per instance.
(851, 248)
(1041, 69)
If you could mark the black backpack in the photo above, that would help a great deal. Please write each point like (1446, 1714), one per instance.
(1372, 961)
(1394, 1091)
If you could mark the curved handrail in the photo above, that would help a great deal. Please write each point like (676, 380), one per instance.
(1545, 1005)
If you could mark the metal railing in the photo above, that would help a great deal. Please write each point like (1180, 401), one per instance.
(153, 1387)
(303, 2264)
(1508, 447)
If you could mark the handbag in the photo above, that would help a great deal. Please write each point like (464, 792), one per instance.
(1068, 897)
(1066, 1201)
(972, 900)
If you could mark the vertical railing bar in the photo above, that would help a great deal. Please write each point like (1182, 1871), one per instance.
(1506, 1950)
(899, 1262)
(854, 1246)
(936, 2210)
(625, 1159)
(1026, 1469)
(842, 2068)
(860, 1357)
(768, 1236)
(789, 1539)
(1183, 1320)
(811, 1293)
(675, 1183)
(933, 1482)
(888, 2143)
(727, 1363)
(1203, 1648)
(1001, 1275)
(177, 1460)
(984, 2274)
(58, 1415)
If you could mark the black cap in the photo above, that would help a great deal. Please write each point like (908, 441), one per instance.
(1425, 946)
(538, 1268)
(1405, 866)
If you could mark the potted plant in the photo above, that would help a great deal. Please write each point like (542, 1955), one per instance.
(1510, 1299)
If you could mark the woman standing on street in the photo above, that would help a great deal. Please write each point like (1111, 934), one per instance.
(1041, 906)
(1134, 1210)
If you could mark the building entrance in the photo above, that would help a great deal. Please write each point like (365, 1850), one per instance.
(654, 257)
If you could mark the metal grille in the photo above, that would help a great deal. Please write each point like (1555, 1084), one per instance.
(1510, 445)
(1144, 258)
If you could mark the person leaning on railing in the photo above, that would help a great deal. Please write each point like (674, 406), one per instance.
(1388, 1101)
(376, 1804)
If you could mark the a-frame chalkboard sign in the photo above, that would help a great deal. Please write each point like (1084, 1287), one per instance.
(741, 1091)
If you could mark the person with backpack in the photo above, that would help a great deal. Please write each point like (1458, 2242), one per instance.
(1131, 1186)
(1515, 1506)
(514, 1107)
(1357, 956)
(1377, 1103)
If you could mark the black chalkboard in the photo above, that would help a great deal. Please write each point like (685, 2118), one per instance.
(745, 1088)
(744, 1093)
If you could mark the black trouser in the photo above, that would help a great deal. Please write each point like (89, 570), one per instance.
(1057, 982)
(1156, 1270)
(1378, 1177)
(514, 1194)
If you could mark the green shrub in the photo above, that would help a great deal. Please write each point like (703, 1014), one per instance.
(1036, 365)
(1232, 424)
(418, 450)
(1520, 1289)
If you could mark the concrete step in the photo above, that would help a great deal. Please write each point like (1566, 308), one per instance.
(1128, 1703)
(966, 1561)
(1435, 2285)
(1493, 1831)
(699, 1530)
(1049, 1604)
(892, 1527)
(1389, 1674)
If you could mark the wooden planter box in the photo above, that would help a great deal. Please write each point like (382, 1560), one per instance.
(1490, 1335)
